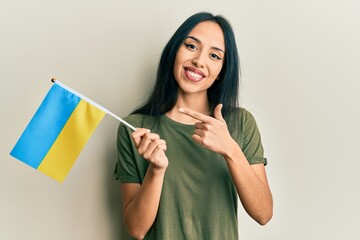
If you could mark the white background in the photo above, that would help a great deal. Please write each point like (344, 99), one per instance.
(300, 79)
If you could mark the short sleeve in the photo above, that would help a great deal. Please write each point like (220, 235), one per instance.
(252, 145)
(125, 169)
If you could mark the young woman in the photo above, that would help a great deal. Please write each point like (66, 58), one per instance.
(195, 151)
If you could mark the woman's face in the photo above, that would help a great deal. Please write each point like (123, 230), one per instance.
(199, 59)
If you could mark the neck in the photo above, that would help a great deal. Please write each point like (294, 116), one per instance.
(193, 102)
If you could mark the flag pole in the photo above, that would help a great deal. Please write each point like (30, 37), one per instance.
(122, 121)
(95, 104)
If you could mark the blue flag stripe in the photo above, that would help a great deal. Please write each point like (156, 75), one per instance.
(45, 126)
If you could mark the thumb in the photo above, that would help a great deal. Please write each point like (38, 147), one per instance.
(217, 113)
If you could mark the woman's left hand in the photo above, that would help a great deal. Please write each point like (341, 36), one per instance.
(210, 132)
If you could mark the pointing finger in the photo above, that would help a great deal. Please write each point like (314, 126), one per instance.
(196, 115)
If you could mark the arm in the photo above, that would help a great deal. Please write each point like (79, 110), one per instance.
(141, 202)
(250, 180)
(251, 184)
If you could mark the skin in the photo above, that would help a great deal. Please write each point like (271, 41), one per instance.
(197, 65)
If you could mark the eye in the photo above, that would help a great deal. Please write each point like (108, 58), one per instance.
(214, 56)
(190, 46)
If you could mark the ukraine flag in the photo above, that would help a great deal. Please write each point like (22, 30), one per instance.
(58, 131)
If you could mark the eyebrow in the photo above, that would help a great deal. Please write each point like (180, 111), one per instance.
(197, 40)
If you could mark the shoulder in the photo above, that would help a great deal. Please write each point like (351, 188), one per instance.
(246, 116)
(240, 122)
(241, 116)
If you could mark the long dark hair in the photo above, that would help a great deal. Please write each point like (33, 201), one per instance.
(224, 90)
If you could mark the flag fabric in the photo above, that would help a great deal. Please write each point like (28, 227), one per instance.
(58, 131)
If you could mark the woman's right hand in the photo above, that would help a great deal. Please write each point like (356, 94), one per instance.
(141, 201)
(151, 147)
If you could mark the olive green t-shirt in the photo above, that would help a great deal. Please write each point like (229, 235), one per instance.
(198, 199)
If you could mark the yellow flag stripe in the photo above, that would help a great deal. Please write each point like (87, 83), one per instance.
(73, 137)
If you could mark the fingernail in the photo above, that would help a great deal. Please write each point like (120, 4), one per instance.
(181, 110)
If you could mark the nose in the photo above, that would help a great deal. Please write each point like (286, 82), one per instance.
(199, 60)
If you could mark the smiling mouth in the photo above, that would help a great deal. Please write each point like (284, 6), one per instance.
(193, 76)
